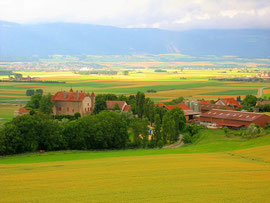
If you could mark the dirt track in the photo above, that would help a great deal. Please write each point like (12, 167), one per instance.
(177, 144)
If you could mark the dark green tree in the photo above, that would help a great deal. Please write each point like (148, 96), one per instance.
(249, 101)
(100, 104)
(40, 91)
(30, 92)
(34, 102)
(46, 104)
(139, 108)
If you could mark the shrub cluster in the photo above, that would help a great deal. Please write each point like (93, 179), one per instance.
(27, 133)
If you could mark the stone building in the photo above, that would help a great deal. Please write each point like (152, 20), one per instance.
(68, 103)
(122, 105)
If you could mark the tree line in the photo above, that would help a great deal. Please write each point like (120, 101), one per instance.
(101, 130)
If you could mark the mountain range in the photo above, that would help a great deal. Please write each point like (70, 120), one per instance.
(42, 40)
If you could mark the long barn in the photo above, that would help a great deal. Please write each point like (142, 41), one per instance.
(234, 119)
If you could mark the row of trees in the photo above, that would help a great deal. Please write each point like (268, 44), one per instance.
(31, 92)
(102, 130)
(30, 133)
(41, 103)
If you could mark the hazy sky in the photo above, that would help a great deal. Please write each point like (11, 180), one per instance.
(164, 14)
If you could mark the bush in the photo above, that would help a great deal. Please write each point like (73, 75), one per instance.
(160, 144)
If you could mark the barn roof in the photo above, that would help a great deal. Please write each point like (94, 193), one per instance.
(230, 101)
(205, 102)
(181, 106)
(127, 108)
(111, 104)
(232, 115)
(160, 104)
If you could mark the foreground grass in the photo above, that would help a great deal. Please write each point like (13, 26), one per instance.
(214, 169)
(204, 177)
(210, 141)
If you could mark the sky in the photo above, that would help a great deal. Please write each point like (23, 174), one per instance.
(163, 14)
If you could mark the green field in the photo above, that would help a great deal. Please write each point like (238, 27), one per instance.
(215, 169)
(234, 92)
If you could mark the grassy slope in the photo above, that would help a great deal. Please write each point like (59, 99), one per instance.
(172, 175)
(210, 141)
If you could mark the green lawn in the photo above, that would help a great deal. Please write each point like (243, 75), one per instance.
(233, 92)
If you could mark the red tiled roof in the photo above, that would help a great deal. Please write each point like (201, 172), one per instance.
(232, 115)
(205, 102)
(127, 108)
(22, 110)
(69, 96)
(230, 101)
(160, 104)
(182, 106)
(111, 104)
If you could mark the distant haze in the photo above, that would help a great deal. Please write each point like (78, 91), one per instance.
(41, 40)
(163, 14)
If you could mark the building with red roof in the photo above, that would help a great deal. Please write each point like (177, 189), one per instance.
(22, 111)
(68, 103)
(207, 107)
(229, 102)
(233, 119)
(122, 105)
(189, 113)
(205, 102)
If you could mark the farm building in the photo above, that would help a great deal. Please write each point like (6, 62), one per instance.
(207, 107)
(68, 103)
(262, 102)
(189, 113)
(233, 119)
(22, 111)
(228, 102)
(205, 102)
(121, 104)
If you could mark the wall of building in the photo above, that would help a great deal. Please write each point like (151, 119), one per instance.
(86, 106)
(221, 122)
(71, 107)
(262, 121)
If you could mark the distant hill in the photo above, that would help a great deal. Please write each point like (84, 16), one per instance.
(41, 40)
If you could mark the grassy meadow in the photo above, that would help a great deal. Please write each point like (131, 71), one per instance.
(215, 169)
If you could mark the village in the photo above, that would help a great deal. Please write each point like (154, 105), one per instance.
(209, 113)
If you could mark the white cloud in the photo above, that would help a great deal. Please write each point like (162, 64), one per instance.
(164, 14)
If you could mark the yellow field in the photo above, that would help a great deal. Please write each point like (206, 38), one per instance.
(237, 176)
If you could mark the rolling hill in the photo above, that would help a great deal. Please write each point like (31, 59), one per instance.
(41, 40)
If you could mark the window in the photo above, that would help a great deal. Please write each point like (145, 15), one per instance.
(85, 109)
(59, 108)
(88, 104)
(88, 109)
(73, 110)
(67, 109)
